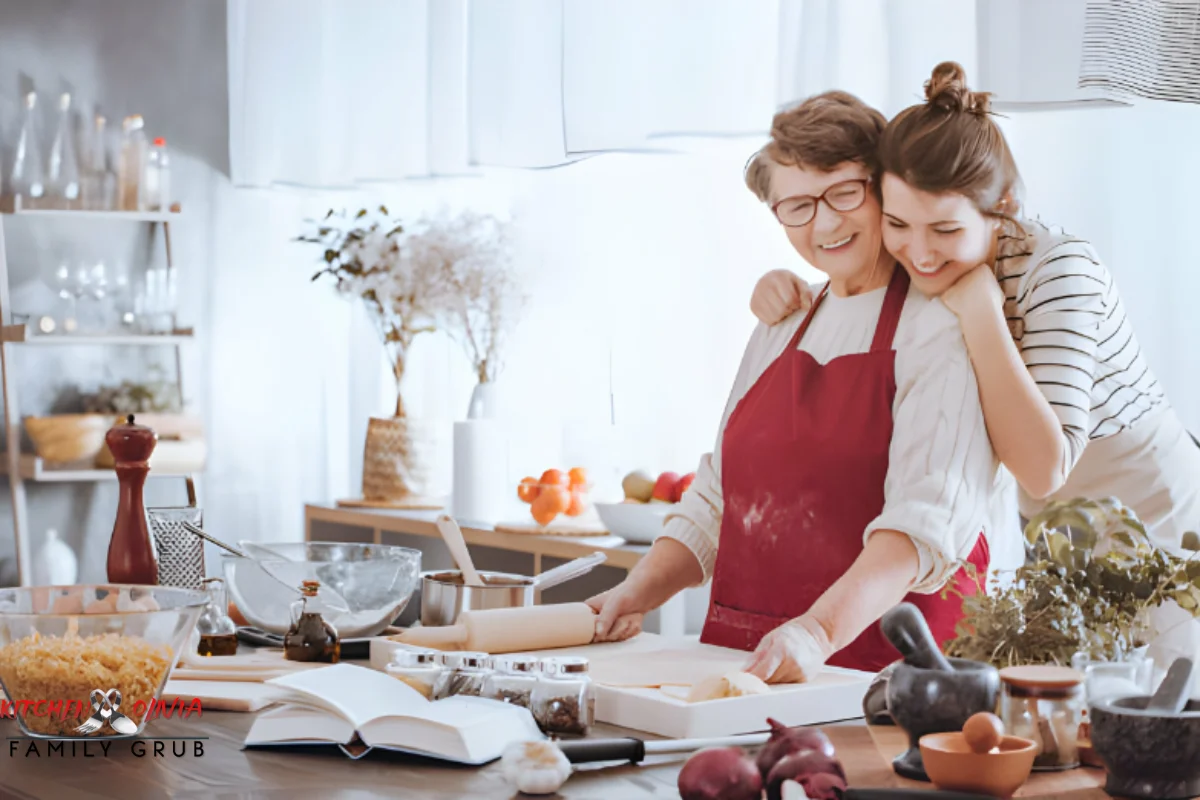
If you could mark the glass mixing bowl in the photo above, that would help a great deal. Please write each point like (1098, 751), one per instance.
(92, 655)
(363, 586)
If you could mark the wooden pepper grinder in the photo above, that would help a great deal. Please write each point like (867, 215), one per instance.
(131, 556)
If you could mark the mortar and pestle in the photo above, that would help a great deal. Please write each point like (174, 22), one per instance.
(1151, 745)
(929, 693)
(980, 759)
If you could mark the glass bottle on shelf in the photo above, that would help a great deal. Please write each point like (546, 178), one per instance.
(62, 173)
(99, 181)
(27, 178)
(218, 634)
(158, 177)
(131, 164)
(311, 637)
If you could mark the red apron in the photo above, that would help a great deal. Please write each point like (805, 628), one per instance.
(803, 461)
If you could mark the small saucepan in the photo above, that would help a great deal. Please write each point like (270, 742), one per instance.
(444, 595)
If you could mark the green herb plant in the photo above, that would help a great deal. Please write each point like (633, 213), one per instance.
(1090, 579)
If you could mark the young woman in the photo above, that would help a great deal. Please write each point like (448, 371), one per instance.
(1071, 404)
(852, 468)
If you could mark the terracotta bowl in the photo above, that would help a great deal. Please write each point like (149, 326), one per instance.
(953, 766)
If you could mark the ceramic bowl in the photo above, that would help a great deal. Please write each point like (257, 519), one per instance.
(1147, 754)
(366, 585)
(953, 766)
(61, 644)
(634, 522)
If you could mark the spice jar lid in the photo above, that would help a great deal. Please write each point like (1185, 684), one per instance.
(565, 666)
(468, 660)
(414, 658)
(518, 664)
(1041, 680)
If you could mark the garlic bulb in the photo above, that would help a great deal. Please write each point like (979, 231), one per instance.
(537, 767)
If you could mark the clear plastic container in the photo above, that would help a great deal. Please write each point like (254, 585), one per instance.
(513, 680)
(420, 669)
(464, 674)
(157, 187)
(1045, 704)
(564, 700)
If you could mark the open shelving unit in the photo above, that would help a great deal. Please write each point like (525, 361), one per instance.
(19, 467)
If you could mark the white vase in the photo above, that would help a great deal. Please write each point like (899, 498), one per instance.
(55, 563)
(483, 401)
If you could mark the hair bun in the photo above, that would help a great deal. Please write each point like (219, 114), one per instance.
(947, 89)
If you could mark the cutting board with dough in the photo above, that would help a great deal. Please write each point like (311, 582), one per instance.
(651, 661)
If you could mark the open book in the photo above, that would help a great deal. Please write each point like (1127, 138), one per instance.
(343, 703)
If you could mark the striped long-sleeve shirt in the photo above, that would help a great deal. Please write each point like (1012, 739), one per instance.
(1068, 321)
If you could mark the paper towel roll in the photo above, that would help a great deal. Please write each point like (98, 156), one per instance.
(481, 483)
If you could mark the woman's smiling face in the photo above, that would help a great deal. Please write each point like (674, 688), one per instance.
(937, 238)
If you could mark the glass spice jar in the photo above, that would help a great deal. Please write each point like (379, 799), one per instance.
(513, 680)
(420, 669)
(1045, 704)
(464, 674)
(563, 700)
(311, 637)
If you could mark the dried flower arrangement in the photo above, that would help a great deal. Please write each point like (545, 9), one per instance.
(1090, 579)
(368, 259)
(130, 397)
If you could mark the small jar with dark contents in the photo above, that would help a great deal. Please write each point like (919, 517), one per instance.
(512, 680)
(563, 701)
(464, 674)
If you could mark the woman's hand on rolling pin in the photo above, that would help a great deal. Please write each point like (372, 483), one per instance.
(620, 612)
(975, 293)
(778, 294)
(792, 653)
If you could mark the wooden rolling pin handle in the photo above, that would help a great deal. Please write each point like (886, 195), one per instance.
(511, 630)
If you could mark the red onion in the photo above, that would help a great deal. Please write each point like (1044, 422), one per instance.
(801, 766)
(785, 740)
(823, 786)
(720, 773)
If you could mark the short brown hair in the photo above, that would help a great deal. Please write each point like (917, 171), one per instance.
(822, 132)
(950, 143)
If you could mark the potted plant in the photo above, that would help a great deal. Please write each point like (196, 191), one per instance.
(368, 258)
(1090, 581)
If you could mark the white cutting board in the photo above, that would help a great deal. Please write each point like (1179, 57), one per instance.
(618, 668)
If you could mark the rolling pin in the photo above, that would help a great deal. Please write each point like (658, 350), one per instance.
(510, 630)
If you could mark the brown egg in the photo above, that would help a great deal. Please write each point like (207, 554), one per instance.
(983, 731)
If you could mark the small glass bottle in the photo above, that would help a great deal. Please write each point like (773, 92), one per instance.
(62, 174)
(464, 674)
(27, 178)
(1044, 704)
(218, 634)
(563, 700)
(311, 638)
(157, 177)
(513, 680)
(99, 185)
(131, 164)
(420, 669)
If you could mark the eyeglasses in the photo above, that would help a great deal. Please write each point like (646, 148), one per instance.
(798, 211)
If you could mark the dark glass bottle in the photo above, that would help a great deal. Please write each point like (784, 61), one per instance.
(131, 557)
(218, 634)
(310, 638)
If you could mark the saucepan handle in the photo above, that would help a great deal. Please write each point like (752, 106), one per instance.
(569, 570)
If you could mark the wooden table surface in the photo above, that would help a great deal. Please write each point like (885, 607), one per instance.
(225, 771)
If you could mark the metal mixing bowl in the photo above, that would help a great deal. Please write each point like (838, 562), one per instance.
(374, 581)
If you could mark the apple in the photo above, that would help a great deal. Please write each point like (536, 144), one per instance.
(664, 488)
(638, 486)
(683, 485)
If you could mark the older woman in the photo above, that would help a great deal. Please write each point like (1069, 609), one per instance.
(852, 468)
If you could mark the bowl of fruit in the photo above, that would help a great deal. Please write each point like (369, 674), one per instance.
(557, 494)
(648, 500)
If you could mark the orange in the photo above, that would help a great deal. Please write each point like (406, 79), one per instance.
(528, 490)
(578, 476)
(555, 477)
(578, 504)
(548, 505)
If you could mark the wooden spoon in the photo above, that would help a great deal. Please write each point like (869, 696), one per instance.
(453, 537)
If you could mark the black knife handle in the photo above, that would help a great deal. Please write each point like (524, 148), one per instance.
(912, 794)
(582, 751)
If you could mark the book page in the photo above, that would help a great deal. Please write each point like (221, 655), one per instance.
(471, 730)
(299, 724)
(358, 694)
